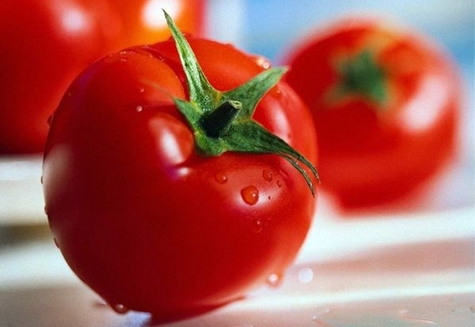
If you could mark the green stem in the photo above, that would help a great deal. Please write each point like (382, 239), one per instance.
(217, 122)
(222, 121)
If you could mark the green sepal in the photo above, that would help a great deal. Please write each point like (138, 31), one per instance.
(361, 75)
(222, 121)
(254, 89)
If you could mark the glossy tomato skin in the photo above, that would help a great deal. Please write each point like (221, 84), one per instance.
(373, 153)
(45, 44)
(141, 217)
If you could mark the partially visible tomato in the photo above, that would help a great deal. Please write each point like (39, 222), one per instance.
(142, 21)
(45, 44)
(148, 214)
(385, 102)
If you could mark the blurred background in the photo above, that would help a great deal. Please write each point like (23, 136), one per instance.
(271, 28)
(29, 260)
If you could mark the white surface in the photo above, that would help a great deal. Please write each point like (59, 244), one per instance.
(394, 271)
(21, 193)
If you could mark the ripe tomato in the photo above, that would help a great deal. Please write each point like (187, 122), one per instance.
(142, 22)
(45, 44)
(385, 104)
(147, 220)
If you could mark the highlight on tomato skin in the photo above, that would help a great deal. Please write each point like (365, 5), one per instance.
(142, 21)
(385, 101)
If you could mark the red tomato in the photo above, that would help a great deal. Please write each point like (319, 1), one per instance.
(45, 44)
(143, 218)
(142, 21)
(385, 103)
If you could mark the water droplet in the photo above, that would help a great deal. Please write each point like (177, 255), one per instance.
(49, 121)
(263, 62)
(322, 312)
(317, 318)
(100, 304)
(305, 275)
(274, 279)
(257, 225)
(406, 316)
(250, 194)
(119, 308)
(142, 90)
(221, 177)
(279, 183)
(267, 174)
(139, 108)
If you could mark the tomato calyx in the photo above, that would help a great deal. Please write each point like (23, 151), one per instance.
(218, 122)
(222, 121)
(361, 75)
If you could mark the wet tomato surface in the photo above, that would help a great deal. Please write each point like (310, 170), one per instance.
(151, 221)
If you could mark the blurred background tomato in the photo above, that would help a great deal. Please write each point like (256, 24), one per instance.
(43, 45)
(46, 43)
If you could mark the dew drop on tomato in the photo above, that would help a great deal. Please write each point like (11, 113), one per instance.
(49, 121)
(257, 225)
(250, 194)
(139, 108)
(221, 178)
(263, 62)
(119, 308)
(267, 174)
